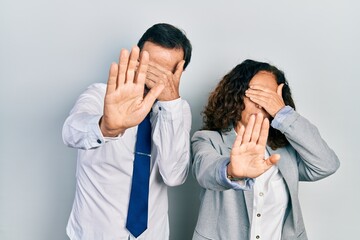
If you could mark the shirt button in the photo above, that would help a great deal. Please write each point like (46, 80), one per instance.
(257, 237)
(99, 141)
(261, 194)
(160, 108)
(258, 215)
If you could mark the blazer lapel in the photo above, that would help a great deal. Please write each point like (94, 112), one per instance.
(287, 168)
(229, 138)
(283, 164)
(249, 199)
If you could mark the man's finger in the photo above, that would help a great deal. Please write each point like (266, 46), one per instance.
(157, 67)
(123, 63)
(132, 64)
(149, 82)
(142, 68)
(154, 70)
(152, 95)
(113, 73)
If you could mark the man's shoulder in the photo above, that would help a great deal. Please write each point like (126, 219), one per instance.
(96, 89)
(101, 86)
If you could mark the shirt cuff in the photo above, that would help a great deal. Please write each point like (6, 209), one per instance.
(168, 109)
(96, 136)
(244, 184)
(280, 116)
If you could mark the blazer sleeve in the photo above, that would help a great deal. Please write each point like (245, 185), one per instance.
(316, 160)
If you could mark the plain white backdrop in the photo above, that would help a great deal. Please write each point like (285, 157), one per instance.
(50, 51)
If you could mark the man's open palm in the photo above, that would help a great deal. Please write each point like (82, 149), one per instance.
(125, 105)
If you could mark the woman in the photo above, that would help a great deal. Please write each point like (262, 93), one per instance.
(248, 169)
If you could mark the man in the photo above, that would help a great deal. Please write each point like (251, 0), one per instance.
(103, 126)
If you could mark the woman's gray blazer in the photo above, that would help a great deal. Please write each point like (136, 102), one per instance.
(225, 213)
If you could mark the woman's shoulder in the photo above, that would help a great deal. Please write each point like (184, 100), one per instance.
(207, 135)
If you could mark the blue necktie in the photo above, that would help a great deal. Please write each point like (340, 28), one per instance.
(138, 206)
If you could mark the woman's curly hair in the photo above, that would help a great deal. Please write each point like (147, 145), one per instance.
(226, 102)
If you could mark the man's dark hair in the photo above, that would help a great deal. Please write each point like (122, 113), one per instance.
(167, 36)
(226, 102)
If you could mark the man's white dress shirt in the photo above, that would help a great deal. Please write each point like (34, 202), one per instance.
(105, 166)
